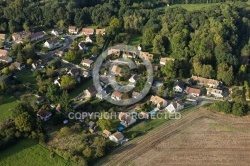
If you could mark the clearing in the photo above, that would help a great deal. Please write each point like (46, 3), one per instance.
(200, 136)
(29, 153)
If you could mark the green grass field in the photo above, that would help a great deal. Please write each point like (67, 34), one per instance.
(7, 102)
(29, 153)
(193, 7)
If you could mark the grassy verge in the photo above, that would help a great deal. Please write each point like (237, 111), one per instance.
(27, 152)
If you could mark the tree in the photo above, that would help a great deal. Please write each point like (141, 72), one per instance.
(70, 56)
(114, 27)
(68, 82)
(225, 73)
(100, 39)
(23, 122)
(238, 109)
(53, 92)
(5, 71)
(26, 26)
(20, 57)
(161, 91)
(65, 101)
(169, 69)
(87, 152)
(95, 50)
(104, 124)
(148, 36)
(50, 72)
(159, 45)
(29, 61)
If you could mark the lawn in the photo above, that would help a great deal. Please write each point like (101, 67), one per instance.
(6, 103)
(26, 76)
(30, 153)
(80, 88)
(135, 40)
(194, 7)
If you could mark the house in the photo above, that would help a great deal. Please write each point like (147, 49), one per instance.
(129, 54)
(193, 91)
(56, 32)
(20, 36)
(139, 47)
(90, 92)
(18, 66)
(51, 43)
(135, 95)
(164, 60)
(2, 36)
(40, 100)
(74, 72)
(126, 119)
(116, 70)
(100, 31)
(106, 133)
(133, 78)
(73, 30)
(174, 106)
(91, 124)
(87, 62)
(36, 36)
(86, 74)
(82, 46)
(146, 55)
(116, 137)
(36, 64)
(158, 101)
(88, 31)
(5, 59)
(4, 56)
(116, 95)
(59, 53)
(211, 83)
(44, 115)
(113, 51)
(179, 86)
(3, 52)
(58, 81)
(88, 39)
(143, 115)
(214, 92)
(155, 68)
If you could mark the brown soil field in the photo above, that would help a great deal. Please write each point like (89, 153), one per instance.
(200, 137)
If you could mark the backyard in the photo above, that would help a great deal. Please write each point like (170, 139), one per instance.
(27, 152)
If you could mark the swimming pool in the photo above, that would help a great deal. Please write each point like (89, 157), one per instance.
(153, 112)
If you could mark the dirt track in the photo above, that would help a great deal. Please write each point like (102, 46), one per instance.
(199, 138)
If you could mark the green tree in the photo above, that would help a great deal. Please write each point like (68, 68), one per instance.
(114, 27)
(50, 72)
(87, 152)
(95, 50)
(169, 69)
(104, 124)
(68, 82)
(5, 71)
(148, 36)
(225, 73)
(238, 109)
(159, 45)
(23, 122)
